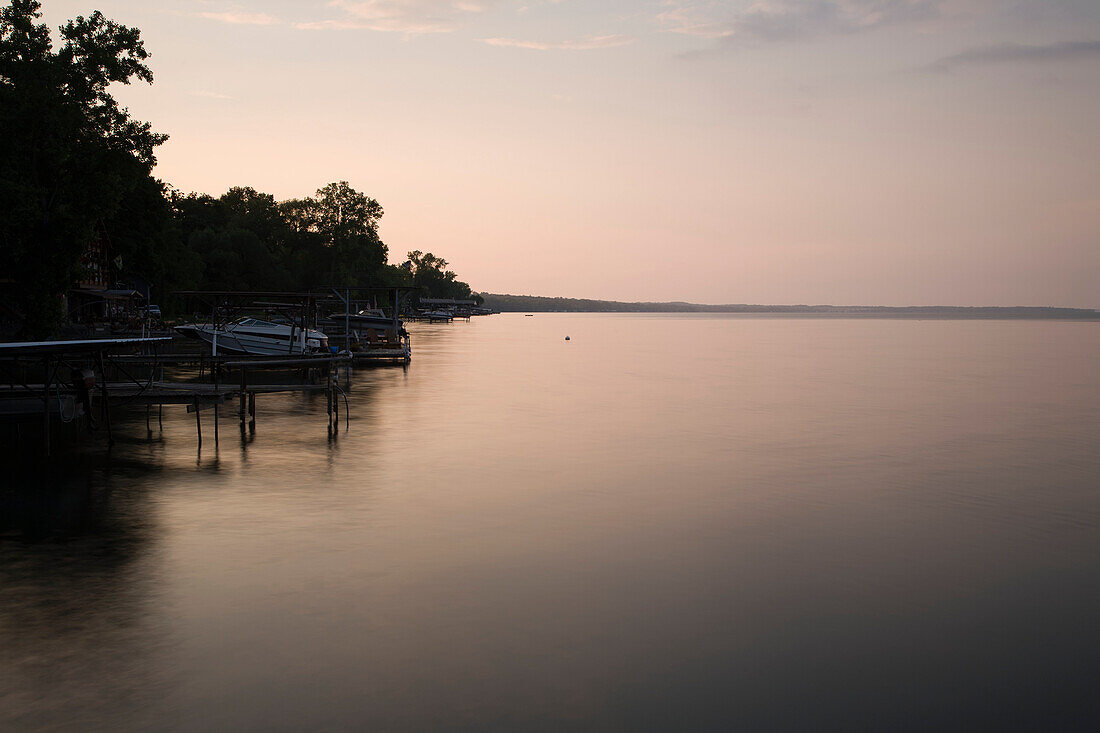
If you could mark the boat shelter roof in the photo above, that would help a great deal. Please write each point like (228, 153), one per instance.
(22, 348)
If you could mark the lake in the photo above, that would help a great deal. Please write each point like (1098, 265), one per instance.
(668, 522)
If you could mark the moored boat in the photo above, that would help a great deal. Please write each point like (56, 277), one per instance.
(370, 329)
(256, 337)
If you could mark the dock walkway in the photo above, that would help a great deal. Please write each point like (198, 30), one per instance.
(70, 397)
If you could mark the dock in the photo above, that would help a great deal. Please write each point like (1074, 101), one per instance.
(97, 373)
(82, 381)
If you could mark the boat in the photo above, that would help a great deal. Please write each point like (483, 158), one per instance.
(371, 319)
(371, 324)
(256, 337)
(370, 329)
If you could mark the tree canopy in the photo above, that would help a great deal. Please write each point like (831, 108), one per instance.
(69, 154)
(246, 240)
(431, 276)
(76, 169)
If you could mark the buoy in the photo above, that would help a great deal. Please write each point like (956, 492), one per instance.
(566, 338)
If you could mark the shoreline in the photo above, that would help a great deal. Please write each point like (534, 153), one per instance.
(536, 304)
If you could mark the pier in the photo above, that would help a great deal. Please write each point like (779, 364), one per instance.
(71, 387)
(61, 382)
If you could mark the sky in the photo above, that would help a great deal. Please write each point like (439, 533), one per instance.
(867, 152)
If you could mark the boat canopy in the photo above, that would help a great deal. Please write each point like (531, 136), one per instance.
(254, 322)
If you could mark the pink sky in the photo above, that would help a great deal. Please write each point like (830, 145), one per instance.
(894, 152)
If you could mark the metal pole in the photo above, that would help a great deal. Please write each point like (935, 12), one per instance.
(336, 409)
(46, 407)
(396, 335)
(244, 396)
(217, 397)
(106, 399)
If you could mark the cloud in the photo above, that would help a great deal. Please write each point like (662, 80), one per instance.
(580, 44)
(1018, 53)
(238, 18)
(404, 16)
(335, 25)
(779, 20)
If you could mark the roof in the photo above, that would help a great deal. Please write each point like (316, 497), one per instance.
(111, 293)
(120, 294)
(253, 294)
(21, 348)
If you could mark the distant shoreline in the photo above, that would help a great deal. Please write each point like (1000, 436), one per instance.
(539, 304)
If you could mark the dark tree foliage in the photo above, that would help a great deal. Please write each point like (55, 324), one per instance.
(432, 278)
(69, 155)
(146, 236)
(75, 168)
(246, 240)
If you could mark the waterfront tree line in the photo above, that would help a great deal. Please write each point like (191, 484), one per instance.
(76, 175)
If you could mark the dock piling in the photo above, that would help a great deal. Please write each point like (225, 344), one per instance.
(106, 399)
(214, 370)
(243, 395)
(46, 409)
(335, 408)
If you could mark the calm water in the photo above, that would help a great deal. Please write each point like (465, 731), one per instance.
(668, 522)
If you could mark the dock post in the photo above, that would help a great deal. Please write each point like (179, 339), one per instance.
(46, 408)
(244, 395)
(106, 400)
(328, 397)
(198, 422)
(335, 406)
(217, 397)
(252, 412)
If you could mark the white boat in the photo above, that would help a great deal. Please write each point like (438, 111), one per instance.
(373, 319)
(256, 337)
(369, 330)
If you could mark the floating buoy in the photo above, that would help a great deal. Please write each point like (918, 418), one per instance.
(566, 338)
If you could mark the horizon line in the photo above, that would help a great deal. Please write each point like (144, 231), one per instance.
(785, 305)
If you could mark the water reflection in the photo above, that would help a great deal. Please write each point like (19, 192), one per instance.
(842, 524)
(79, 617)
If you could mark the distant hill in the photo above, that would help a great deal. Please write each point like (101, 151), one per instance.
(540, 304)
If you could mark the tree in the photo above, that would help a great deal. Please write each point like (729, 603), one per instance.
(248, 208)
(149, 241)
(348, 221)
(341, 211)
(431, 276)
(69, 154)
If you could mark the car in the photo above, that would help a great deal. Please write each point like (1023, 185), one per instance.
(151, 311)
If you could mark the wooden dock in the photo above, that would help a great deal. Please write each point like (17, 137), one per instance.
(204, 361)
(144, 384)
